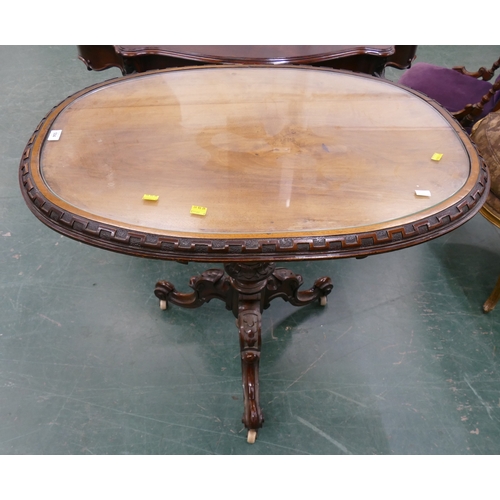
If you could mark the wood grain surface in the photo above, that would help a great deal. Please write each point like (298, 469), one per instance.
(274, 152)
(270, 152)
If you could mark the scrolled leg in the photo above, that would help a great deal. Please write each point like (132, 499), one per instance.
(285, 284)
(163, 290)
(249, 327)
(209, 285)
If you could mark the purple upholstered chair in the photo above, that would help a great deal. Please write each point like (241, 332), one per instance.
(467, 96)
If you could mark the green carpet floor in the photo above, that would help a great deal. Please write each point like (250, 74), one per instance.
(401, 361)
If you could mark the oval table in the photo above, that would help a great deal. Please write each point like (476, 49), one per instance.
(249, 166)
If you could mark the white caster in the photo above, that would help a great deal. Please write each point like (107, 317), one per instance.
(163, 305)
(251, 436)
(323, 300)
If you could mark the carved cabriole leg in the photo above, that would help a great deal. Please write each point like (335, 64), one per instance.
(250, 281)
(249, 327)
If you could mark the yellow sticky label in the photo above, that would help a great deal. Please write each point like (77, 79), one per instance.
(198, 210)
(150, 197)
(436, 156)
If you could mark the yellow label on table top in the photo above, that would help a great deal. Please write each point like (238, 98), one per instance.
(150, 197)
(198, 210)
(436, 156)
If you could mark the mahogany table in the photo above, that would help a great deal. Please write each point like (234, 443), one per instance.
(250, 166)
(370, 59)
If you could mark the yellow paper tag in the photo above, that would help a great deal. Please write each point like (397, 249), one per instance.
(198, 210)
(150, 197)
(436, 156)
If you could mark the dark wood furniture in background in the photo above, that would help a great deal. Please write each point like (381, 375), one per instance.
(467, 95)
(291, 163)
(370, 59)
(467, 115)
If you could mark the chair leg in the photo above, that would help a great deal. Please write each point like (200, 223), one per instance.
(490, 303)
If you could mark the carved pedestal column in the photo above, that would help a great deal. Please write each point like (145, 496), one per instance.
(247, 289)
(249, 281)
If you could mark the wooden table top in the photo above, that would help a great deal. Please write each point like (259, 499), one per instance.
(289, 162)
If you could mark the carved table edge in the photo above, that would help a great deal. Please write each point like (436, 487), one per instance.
(144, 244)
(157, 246)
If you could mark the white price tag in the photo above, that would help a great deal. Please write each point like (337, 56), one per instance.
(423, 192)
(54, 135)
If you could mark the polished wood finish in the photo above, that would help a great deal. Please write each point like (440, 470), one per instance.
(291, 163)
(370, 59)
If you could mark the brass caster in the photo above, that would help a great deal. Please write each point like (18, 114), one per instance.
(251, 436)
(323, 300)
(163, 305)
